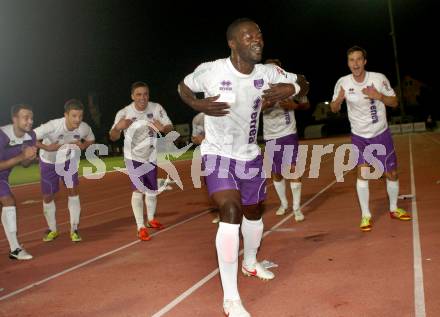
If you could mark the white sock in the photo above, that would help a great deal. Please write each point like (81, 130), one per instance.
(9, 221)
(49, 210)
(364, 196)
(137, 204)
(252, 231)
(393, 192)
(280, 188)
(151, 203)
(296, 193)
(227, 243)
(74, 207)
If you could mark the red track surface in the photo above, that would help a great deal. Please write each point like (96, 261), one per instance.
(327, 267)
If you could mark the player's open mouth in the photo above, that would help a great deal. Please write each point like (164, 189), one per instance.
(257, 49)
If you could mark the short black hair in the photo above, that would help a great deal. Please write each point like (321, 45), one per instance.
(73, 104)
(357, 49)
(230, 31)
(137, 85)
(15, 109)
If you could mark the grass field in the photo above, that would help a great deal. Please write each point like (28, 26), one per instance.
(31, 174)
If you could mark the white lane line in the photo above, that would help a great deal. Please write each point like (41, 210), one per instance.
(82, 264)
(419, 293)
(208, 277)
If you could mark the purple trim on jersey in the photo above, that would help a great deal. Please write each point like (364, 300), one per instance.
(148, 179)
(291, 153)
(389, 160)
(223, 176)
(7, 152)
(50, 180)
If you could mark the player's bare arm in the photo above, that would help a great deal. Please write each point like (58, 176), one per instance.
(48, 147)
(83, 144)
(303, 85)
(115, 133)
(335, 105)
(278, 92)
(162, 128)
(372, 93)
(289, 104)
(28, 154)
(208, 105)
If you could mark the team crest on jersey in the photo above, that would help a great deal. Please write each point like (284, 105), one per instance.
(226, 85)
(149, 115)
(351, 91)
(258, 83)
(77, 137)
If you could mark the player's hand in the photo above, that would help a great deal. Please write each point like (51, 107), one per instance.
(82, 145)
(159, 126)
(53, 147)
(29, 153)
(335, 105)
(197, 139)
(123, 124)
(372, 93)
(210, 107)
(278, 92)
(288, 104)
(341, 96)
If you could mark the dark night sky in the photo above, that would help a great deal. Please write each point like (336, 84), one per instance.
(53, 50)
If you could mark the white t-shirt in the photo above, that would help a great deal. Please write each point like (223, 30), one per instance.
(278, 122)
(140, 137)
(367, 117)
(235, 134)
(55, 131)
(198, 124)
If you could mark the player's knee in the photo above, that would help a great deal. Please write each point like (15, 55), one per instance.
(360, 167)
(392, 175)
(277, 177)
(47, 198)
(7, 201)
(253, 212)
(230, 212)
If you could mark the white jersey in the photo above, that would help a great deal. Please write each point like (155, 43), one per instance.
(279, 122)
(367, 117)
(235, 134)
(198, 124)
(140, 137)
(55, 131)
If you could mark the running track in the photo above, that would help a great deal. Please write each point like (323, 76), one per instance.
(327, 267)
